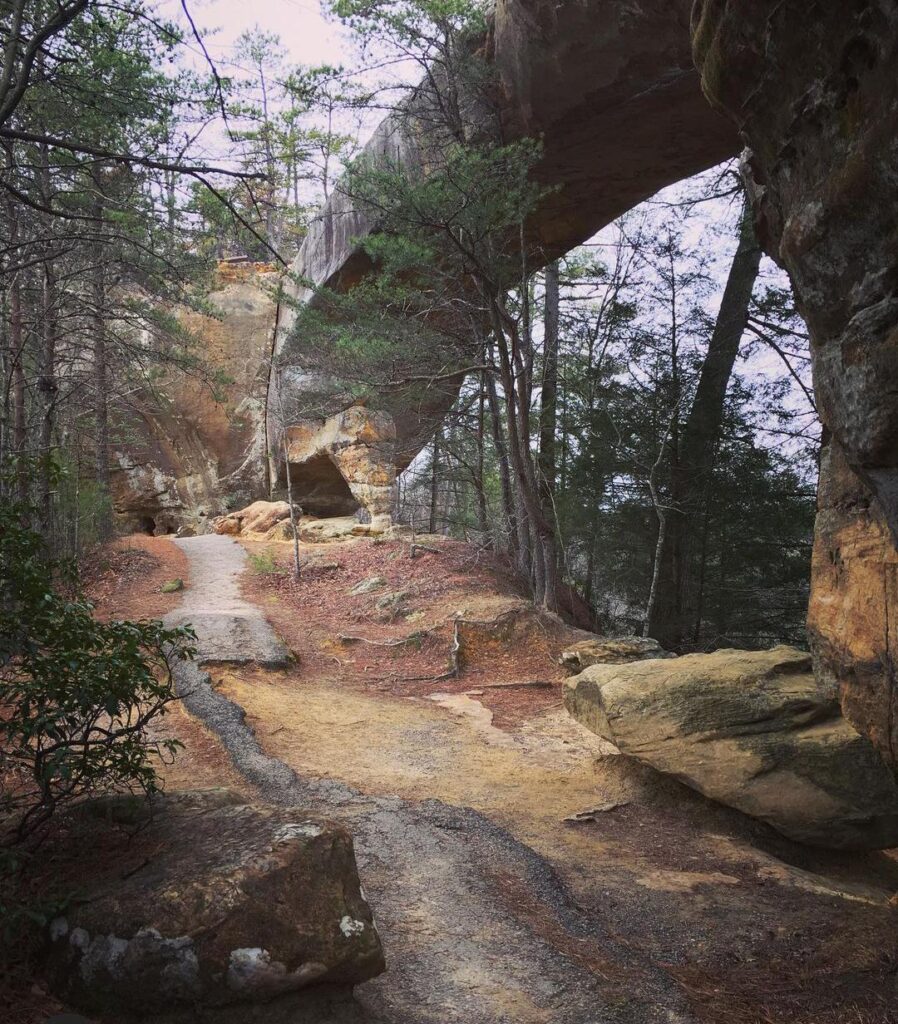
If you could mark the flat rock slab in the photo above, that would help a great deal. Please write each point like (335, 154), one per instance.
(751, 730)
(213, 902)
(229, 629)
(621, 650)
(234, 639)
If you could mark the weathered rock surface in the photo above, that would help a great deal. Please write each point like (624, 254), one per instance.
(344, 462)
(620, 650)
(259, 517)
(750, 729)
(815, 96)
(183, 453)
(215, 902)
(854, 597)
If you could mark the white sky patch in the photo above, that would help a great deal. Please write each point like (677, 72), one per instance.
(306, 34)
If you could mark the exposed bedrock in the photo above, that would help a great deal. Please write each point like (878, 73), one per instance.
(186, 451)
(813, 89)
(266, 905)
(854, 602)
(344, 462)
(609, 86)
(752, 730)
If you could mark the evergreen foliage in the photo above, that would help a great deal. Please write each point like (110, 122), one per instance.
(77, 696)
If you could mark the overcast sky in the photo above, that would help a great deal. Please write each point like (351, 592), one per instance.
(308, 37)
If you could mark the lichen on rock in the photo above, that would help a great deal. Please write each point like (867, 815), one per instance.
(750, 729)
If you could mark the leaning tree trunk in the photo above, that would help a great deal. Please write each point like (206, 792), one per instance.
(483, 524)
(19, 423)
(676, 590)
(548, 406)
(501, 446)
(435, 481)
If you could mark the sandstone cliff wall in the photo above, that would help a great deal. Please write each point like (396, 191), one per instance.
(814, 92)
(186, 451)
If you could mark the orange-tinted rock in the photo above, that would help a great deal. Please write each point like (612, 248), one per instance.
(346, 461)
(814, 92)
(854, 603)
(185, 452)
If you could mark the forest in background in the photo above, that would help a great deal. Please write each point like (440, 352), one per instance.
(632, 425)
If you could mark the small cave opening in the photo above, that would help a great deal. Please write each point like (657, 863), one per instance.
(148, 525)
(319, 488)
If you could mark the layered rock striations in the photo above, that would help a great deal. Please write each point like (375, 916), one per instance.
(752, 730)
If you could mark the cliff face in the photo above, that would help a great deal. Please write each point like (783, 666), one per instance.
(185, 451)
(814, 93)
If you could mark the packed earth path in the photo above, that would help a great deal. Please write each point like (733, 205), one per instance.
(499, 897)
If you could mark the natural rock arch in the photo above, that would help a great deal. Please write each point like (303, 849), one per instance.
(612, 89)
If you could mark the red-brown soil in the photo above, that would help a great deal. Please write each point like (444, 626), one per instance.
(512, 665)
(753, 929)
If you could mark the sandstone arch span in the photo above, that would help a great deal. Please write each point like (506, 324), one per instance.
(611, 88)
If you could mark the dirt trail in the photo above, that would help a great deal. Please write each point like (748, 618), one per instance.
(493, 909)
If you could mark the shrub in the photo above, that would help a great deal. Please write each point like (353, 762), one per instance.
(264, 562)
(76, 695)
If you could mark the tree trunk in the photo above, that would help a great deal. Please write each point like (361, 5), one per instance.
(539, 541)
(47, 385)
(548, 414)
(483, 525)
(672, 618)
(101, 387)
(17, 351)
(508, 506)
(434, 482)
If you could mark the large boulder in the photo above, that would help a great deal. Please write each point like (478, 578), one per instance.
(618, 650)
(750, 729)
(214, 902)
(259, 517)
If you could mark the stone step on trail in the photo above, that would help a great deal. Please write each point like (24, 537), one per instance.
(229, 629)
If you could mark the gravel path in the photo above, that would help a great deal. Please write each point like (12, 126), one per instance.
(459, 949)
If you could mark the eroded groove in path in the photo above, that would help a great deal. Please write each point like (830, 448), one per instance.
(458, 948)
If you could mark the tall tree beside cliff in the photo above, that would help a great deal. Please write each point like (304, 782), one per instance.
(451, 292)
(94, 252)
(673, 615)
(638, 339)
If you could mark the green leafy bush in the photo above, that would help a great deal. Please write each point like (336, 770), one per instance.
(77, 696)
